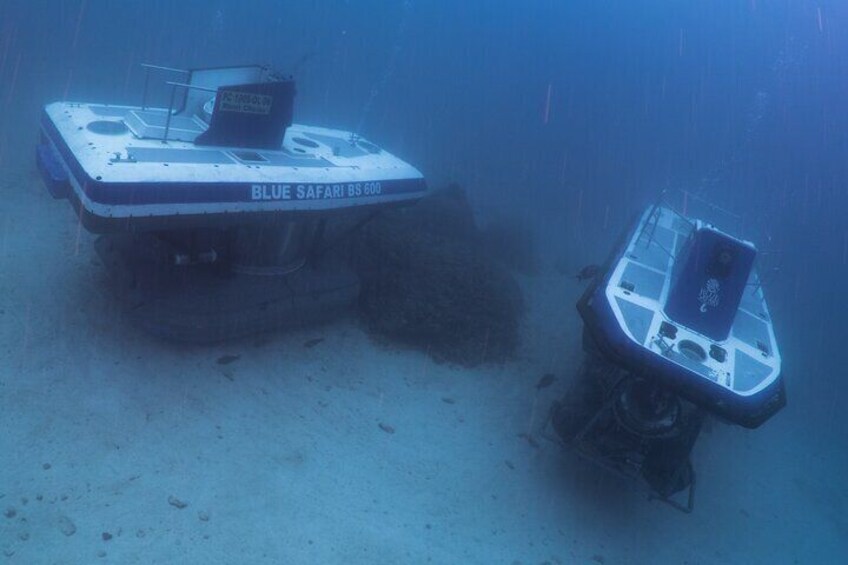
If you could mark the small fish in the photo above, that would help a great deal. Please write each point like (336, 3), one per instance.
(227, 359)
(587, 272)
(386, 428)
(546, 381)
(313, 342)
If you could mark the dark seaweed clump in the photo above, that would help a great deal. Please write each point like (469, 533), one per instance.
(429, 282)
(511, 243)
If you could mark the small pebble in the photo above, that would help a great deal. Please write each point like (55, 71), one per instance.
(46, 466)
(23, 536)
(387, 428)
(106, 536)
(101, 554)
(203, 516)
(10, 512)
(448, 400)
(66, 526)
(140, 534)
(176, 502)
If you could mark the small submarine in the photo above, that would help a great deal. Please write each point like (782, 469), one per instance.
(217, 215)
(676, 329)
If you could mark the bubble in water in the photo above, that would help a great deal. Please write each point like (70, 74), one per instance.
(759, 109)
(217, 26)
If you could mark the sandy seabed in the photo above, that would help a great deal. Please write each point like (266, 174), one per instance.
(119, 448)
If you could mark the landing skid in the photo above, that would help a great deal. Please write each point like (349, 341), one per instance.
(592, 420)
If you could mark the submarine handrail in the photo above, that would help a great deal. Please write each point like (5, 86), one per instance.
(174, 86)
(653, 220)
(706, 202)
(147, 68)
(194, 86)
(653, 216)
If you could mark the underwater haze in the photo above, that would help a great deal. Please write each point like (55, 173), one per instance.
(562, 117)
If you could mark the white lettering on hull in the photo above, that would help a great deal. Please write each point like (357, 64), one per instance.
(314, 191)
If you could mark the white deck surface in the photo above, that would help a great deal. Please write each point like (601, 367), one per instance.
(647, 266)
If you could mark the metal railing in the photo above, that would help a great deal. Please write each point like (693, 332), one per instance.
(147, 68)
(174, 86)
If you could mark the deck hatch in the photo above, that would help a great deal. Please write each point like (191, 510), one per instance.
(645, 282)
(637, 318)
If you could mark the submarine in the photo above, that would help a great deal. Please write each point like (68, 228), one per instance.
(216, 215)
(676, 329)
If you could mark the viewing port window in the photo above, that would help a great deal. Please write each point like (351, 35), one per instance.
(107, 127)
(692, 350)
(722, 262)
(305, 142)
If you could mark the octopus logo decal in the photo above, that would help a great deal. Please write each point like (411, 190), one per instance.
(709, 295)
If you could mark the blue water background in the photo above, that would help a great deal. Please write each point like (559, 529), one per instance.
(566, 116)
